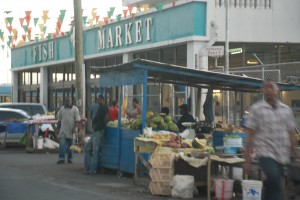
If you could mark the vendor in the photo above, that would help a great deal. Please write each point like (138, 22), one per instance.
(137, 110)
(186, 117)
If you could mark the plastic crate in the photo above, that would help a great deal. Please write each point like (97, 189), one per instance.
(162, 160)
(161, 174)
(160, 188)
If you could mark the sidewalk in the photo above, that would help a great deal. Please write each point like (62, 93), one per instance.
(30, 176)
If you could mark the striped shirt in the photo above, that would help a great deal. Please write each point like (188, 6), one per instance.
(272, 127)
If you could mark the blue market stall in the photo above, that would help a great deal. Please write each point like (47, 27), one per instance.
(118, 150)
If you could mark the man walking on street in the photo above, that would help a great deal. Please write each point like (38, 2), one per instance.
(271, 130)
(68, 119)
(92, 148)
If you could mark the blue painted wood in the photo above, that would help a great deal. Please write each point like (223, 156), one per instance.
(145, 95)
(110, 151)
(121, 78)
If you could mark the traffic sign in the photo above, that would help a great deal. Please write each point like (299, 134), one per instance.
(215, 51)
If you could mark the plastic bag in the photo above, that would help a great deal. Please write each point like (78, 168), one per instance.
(183, 186)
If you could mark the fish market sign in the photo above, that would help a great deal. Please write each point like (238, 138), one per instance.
(43, 52)
(127, 34)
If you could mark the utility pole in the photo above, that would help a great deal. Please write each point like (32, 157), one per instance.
(226, 67)
(79, 65)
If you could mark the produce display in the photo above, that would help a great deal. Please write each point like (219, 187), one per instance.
(162, 135)
(176, 142)
(156, 122)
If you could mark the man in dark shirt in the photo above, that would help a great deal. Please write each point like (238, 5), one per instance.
(186, 117)
(92, 148)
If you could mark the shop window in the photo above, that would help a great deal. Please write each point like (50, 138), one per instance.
(141, 55)
(60, 73)
(153, 55)
(181, 57)
(110, 61)
(168, 55)
(68, 73)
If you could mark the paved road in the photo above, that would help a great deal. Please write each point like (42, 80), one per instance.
(36, 176)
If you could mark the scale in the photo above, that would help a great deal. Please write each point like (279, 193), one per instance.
(188, 133)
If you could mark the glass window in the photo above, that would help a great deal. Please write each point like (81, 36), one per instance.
(68, 72)
(119, 59)
(181, 52)
(34, 78)
(60, 73)
(168, 55)
(110, 61)
(141, 55)
(153, 55)
(52, 74)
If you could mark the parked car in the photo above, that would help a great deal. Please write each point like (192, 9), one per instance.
(13, 115)
(31, 108)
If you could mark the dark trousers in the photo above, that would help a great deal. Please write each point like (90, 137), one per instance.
(273, 172)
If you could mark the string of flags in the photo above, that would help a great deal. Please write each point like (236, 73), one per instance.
(15, 38)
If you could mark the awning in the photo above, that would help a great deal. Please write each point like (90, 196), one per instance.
(133, 73)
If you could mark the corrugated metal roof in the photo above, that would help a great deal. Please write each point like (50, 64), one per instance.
(167, 73)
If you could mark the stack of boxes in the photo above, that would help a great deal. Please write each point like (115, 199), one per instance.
(162, 173)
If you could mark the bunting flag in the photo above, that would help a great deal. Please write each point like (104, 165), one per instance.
(20, 43)
(138, 9)
(24, 38)
(58, 25)
(54, 36)
(28, 18)
(2, 47)
(132, 15)
(97, 18)
(25, 27)
(29, 29)
(130, 9)
(119, 17)
(62, 15)
(84, 18)
(105, 20)
(29, 37)
(174, 3)
(146, 7)
(36, 38)
(45, 18)
(7, 12)
(2, 39)
(94, 15)
(62, 33)
(100, 23)
(15, 31)
(91, 22)
(125, 13)
(44, 29)
(1, 33)
(27, 13)
(21, 21)
(35, 20)
(9, 28)
(8, 43)
(41, 27)
(159, 7)
(49, 36)
(6, 22)
(10, 20)
(111, 11)
(45, 12)
(10, 38)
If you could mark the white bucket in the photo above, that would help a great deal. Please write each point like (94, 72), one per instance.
(223, 188)
(251, 189)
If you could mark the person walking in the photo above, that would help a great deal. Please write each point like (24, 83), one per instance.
(68, 119)
(92, 148)
(271, 132)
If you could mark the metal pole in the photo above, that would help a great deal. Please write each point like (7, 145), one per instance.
(79, 52)
(227, 58)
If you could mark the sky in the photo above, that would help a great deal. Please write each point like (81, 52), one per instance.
(18, 8)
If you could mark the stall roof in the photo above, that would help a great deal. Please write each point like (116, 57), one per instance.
(132, 73)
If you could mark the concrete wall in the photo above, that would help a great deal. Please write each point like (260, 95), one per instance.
(278, 22)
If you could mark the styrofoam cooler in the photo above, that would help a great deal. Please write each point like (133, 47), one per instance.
(251, 189)
(223, 189)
